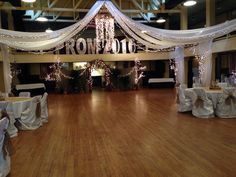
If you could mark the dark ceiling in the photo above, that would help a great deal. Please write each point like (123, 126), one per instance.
(225, 10)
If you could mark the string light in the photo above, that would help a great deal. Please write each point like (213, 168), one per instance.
(57, 73)
(105, 30)
(94, 65)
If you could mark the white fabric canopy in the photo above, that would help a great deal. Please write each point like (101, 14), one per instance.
(153, 38)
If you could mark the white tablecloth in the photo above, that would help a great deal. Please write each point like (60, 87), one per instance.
(19, 105)
(213, 95)
(160, 80)
(30, 86)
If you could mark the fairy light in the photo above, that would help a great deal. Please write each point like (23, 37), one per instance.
(105, 30)
(94, 65)
(57, 73)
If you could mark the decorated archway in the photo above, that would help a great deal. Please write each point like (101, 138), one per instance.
(97, 64)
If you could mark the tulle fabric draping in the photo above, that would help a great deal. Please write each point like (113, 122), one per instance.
(204, 53)
(178, 55)
(159, 38)
(44, 41)
(152, 37)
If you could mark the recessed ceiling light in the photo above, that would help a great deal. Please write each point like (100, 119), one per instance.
(143, 31)
(29, 1)
(161, 20)
(42, 19)
(48, 30)
(190, 3)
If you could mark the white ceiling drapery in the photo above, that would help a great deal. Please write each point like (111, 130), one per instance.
(152, 38)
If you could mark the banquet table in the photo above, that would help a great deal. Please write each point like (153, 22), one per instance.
(34, 89)
(212, 94)
(19, 104)
(161, 82)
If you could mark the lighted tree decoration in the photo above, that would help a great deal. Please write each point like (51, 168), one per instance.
(57, 73)
(138, 71)
(173, 66)
(95, 64)
(15, 70)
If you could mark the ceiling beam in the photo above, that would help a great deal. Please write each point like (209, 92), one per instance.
(140, 8)
(84, 10)
(40, 11)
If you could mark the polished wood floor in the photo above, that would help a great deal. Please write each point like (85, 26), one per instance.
(125, 134)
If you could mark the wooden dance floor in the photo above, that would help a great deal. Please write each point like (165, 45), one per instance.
(125, 134)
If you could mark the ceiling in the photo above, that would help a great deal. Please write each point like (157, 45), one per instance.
(62, 13)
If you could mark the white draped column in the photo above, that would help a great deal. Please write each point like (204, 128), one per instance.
(178, 55)
(203, 52)
(6, 67)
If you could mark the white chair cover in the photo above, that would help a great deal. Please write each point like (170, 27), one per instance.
(3, 105)
(24, 94)
(184, 104)
(12, 130)
(29, 119)
(4, 163)
(222, 84)
(44, 108)
(226, 106)
(202, 106)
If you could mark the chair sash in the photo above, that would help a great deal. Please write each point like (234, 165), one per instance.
(38, 110)
(230, 98)
(199, 102)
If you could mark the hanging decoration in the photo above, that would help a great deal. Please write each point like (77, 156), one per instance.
(57, 73)
(105, 30)
(97, 64)
(15, 70)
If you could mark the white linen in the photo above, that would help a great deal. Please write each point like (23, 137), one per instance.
(160, 80)
(222, 85)
(179, 64)
(214, 95)
(29, 119)
(18, 106)
(153, 38)
(44, 41)
(12, 130)
(4, 163)
(202, 106)
(30, 86)
(184, 104)
(226, 106)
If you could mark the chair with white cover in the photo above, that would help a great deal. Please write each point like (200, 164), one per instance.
(6, 106)
(30, 118)
(24, 94)
(226, 106)
(44, 108)
(4, 156)
(202, 106)
(184, 104)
